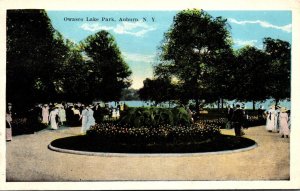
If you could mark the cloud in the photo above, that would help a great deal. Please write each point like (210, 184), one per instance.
(94, 27)
(147, 58)
(264, 24)
(138, 29)
(240, 42)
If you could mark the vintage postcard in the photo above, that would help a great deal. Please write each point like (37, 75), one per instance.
(149, 95)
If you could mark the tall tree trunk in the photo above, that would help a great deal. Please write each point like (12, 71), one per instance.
(253, 102)
(218, 104)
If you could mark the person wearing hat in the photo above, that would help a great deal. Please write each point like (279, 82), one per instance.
(84, 119)
(52, 118)
(277, 112)
(90, 117)
(237, 120)
(284, 130)
(45, 114)
(270, 122)
(8, 118)
(62, 115)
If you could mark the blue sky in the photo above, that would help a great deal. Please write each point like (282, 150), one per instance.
(138, 40)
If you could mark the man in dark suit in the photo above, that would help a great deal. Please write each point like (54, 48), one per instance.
(237, 120)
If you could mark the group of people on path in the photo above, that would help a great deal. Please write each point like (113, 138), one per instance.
(278, 120)
(57, 116)
(26, 119)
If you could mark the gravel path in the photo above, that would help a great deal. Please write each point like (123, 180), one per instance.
(29, 159)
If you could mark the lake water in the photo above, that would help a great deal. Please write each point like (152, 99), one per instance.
(266, 104)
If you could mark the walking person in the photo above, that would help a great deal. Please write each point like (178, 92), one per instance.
(76, 116)
(62, 115)
(271, 120)
(84, 120)
(8, 119)
(90, 117)
(277, 113)
(238, 119)
(284, 130)
(229, 116)
(45, 114)
(52, 118)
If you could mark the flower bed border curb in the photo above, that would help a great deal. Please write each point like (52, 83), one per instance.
(108, 154)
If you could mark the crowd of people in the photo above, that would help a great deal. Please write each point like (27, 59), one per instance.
(57, 115)
(86, 115)
(277, 119)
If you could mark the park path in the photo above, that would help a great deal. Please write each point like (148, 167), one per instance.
(29, 159)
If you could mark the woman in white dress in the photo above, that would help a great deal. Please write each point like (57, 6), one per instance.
(284, 130)
(45, 114)
(90, 116)
(62, 115)
(270, 124)
(52, 118)
(8, 122)
(84, 120)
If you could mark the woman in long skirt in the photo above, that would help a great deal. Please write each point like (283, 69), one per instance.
(62, 115)
(52, 118)
(84, 120)
(284, 130)
(8, 125)
(90, 116)
(45, 114)
(271, 120)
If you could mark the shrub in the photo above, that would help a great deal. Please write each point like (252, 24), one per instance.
(250, 122)
(153, 117)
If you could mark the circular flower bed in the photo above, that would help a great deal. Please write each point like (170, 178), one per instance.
(162, 134)
(116, 138)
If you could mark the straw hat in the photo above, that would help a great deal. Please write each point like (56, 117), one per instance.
(283, 110)
(272, 107)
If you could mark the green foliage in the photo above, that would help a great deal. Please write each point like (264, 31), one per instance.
(158, 90)
(251, 74)
(153, 117)
(194, 51)
(32, 47)
(44, 67)
(129, 94)
(279, 68)
(109, 73)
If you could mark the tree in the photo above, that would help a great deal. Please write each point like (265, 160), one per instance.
(190, 52)
(108, 72)
(279, 68)
(73, 75)
(31, 56)
(250, 75)
(158, 90)
(129, 94)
